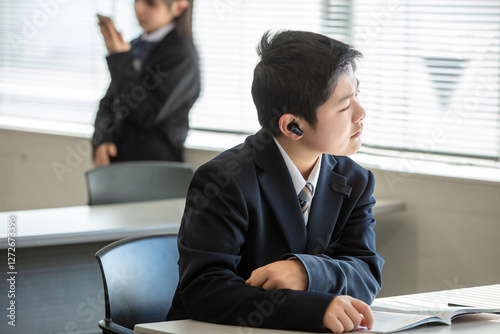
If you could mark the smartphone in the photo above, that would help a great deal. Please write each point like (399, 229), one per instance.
(103, 18)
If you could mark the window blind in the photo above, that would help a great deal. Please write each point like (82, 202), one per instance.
(227, 33)
(429, 78)
(52, 60)
(430, 75)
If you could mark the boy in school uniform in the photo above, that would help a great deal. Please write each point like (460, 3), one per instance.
(278, 231)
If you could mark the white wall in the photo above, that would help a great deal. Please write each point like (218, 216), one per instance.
(42, 171)
(45, 171)
(448, 237)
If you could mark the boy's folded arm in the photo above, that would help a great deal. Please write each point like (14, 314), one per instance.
(217, 294)
(346, 276)
(210, 289)
(349, 265)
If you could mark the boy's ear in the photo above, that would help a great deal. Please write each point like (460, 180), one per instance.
(178, 7)
(289, 126)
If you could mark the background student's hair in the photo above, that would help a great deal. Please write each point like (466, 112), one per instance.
(297, 73)
(184, 23)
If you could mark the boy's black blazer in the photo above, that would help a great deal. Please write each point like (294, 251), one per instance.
(145, 113)
(242, 212)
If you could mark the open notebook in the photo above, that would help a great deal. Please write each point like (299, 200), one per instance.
(396, 314)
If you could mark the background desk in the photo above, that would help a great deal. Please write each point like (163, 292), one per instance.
(83, 224)
(59, 286)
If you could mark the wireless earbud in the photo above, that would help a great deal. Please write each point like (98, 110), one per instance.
(294, 127)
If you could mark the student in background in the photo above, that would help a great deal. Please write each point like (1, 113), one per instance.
(155, 80)
(278, 231)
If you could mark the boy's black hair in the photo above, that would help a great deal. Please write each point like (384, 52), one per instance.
(297, 73)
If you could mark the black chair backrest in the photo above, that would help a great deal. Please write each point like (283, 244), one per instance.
(140, 275)
(138, 181)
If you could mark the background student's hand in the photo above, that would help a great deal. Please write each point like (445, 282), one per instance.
(103, 152)
(287, 274)
(345, 314)
(112, 38)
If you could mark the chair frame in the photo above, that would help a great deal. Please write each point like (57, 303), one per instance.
(107, 325)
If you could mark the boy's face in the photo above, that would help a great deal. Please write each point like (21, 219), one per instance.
(152, 17)
(339, 125)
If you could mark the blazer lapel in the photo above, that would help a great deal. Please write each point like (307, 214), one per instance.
(277, 187)
(331, 190)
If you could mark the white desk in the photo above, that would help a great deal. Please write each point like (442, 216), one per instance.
(473, 324)
(81, 224)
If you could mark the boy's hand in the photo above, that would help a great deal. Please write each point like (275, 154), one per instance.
(112, 38)
(345, 314)
(286, 274)
(103, 152)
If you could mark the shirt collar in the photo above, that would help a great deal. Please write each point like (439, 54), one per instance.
(159, 33)
(297, 179)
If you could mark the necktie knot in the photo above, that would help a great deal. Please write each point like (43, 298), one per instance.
(305, 196)
(141, 48)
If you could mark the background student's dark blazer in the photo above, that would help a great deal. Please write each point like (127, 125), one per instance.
(145, 113)
(242, 213)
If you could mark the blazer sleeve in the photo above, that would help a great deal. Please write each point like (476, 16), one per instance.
(166, 82)
(350, 264)
(104, 122)
(211, 235)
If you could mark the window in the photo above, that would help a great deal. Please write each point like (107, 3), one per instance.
(227, 33)
(429, 78)
(52, 65)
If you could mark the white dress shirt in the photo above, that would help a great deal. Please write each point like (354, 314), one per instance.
(297, 179)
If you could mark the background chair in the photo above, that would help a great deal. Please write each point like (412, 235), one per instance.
(138, 181)
(140, 275)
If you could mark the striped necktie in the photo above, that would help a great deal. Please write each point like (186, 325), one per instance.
(305, 196)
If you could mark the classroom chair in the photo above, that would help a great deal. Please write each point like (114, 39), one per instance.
(138, 181)
(140, 275)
